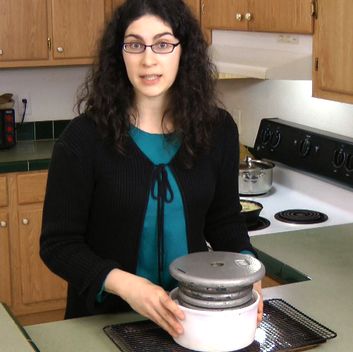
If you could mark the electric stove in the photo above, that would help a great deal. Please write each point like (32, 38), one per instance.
(313, 177)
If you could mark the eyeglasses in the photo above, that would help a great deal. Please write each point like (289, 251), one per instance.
(158, 48)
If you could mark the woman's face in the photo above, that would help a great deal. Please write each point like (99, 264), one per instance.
(150, 73)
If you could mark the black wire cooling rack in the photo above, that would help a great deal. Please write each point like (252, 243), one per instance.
(283, 328)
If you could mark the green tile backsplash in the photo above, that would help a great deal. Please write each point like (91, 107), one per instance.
(25, 132)
(44, 130)
(59, 126)
(39, 130)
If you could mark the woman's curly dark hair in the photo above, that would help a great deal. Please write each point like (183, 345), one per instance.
(107, 95)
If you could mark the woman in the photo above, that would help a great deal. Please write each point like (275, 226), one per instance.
(147, 173)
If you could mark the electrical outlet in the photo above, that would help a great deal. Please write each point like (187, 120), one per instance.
(26, 97)
(288, 38)
(19, 106)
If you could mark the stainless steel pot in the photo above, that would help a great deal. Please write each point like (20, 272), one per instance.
(255, 176)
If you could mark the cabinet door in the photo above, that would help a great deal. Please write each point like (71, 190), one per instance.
(31, 187)
(195, 7)
(5, 282)
(77, 27)
(23, 30)
(259, 15)
(289, 16)
(117, 3)
(224, 14)
(3, 191)
(38, 284)
(333, 51)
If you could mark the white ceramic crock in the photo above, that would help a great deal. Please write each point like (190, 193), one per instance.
(218, 330)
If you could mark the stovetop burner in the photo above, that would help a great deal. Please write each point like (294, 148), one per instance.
(260, 224)
(301, 216)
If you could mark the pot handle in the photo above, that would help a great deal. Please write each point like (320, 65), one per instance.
(252, 177)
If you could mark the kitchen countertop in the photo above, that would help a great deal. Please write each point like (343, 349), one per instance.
(26, 156)
(325, 255)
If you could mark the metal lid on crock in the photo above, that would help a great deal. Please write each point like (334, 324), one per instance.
(217, 270)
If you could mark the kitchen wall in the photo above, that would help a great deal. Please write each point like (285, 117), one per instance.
(51, 91)
(253, 100)
(52, 95)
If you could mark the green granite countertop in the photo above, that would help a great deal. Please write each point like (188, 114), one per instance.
(325, 255)
(26, 156)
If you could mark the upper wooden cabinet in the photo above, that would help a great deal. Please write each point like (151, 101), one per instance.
(289, 16)
(50, 32)
(77, 26)
(23, 30)
(333, 51)
(195, 5)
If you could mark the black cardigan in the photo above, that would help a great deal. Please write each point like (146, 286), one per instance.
(96, 199)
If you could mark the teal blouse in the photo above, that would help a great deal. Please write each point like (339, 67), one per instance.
(160, 150)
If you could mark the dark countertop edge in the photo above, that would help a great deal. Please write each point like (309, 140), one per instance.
(24, 165)
(279, 270)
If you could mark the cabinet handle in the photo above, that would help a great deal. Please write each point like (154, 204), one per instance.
(60, 49)
(1, 52)
(25, 221)
(3, 223)
(239, 17)
(248, 16)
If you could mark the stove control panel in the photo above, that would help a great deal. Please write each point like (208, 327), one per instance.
(305, 148)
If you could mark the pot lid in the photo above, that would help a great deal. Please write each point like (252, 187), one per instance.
(217, 270)
(253, 164)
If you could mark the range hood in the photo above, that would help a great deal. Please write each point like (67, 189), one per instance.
(262, 55)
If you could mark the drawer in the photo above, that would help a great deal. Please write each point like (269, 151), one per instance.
(3, 192)
(31, 187)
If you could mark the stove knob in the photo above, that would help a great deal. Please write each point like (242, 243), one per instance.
(304, 147)
(266, 136)
(349, 163)
(276, 139)
(339, 158)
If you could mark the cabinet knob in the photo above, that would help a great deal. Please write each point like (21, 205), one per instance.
(239, 17)
(1, 52)
(248, 16)
(25, 221)
(60, 49)
(3, 223)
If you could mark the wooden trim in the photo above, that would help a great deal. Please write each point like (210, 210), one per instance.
(5, 274)
(45, 63)
(4, 199)
(42, 317)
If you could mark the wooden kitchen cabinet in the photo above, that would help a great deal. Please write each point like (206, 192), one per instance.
(5, 274)
(333, 51)
(50, 32)
(33, 293)
(288, 16)
(195, 5)
(23, 30)
(77, 26)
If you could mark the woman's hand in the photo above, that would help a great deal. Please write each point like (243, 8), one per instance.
(146, 299)
(260, 309)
